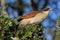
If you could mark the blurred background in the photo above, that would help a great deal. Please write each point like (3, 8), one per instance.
(15, 8)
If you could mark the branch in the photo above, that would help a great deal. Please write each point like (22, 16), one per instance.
(4, 8)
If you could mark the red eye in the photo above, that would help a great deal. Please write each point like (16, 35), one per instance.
(30, 15)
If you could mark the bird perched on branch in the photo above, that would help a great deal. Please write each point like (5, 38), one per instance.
(33, 17)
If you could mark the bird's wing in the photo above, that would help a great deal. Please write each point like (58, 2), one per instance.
(29, 15)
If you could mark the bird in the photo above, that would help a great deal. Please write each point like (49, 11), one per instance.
(33, 17)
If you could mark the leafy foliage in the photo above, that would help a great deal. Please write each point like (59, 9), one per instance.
(5, 24)
(8, 29)
(30, 32)
(59, 20)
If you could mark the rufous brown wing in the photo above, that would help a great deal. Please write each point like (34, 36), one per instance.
(29, 15)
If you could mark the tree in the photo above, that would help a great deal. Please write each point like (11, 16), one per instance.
(4, 8)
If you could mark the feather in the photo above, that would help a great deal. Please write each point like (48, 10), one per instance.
(38, 18)
(29, 15)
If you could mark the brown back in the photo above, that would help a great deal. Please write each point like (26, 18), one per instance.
(29, 15)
